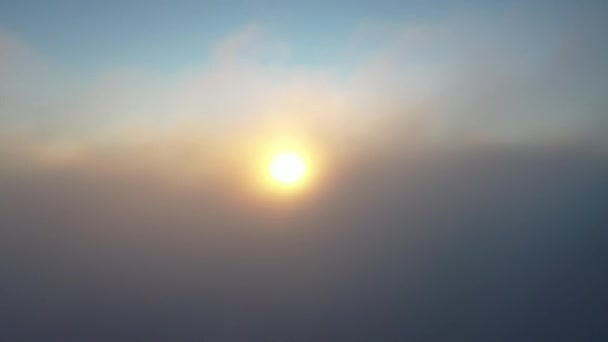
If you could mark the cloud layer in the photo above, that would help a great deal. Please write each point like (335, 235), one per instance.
(474, 243)
(463, 195)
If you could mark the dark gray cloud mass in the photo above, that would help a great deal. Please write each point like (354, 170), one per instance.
(484, 242)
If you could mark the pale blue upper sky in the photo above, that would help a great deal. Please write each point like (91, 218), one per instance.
(172, 34)
(519, 64)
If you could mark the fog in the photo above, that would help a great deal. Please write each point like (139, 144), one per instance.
(460, 188)
(475, 242)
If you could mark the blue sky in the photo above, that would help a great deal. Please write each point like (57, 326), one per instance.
(169, 35)
(464, 68)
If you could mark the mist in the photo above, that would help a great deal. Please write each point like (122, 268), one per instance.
(435, 245)
(461, 194)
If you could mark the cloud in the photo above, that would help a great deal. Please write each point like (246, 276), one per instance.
(463, 198)
(476, 76)
(251, 41)
(438, 244)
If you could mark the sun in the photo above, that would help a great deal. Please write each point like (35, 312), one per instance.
(288, 168)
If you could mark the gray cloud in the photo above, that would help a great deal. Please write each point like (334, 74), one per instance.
(473, 242)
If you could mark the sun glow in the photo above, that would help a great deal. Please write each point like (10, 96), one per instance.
(285, 167)
(288, 168)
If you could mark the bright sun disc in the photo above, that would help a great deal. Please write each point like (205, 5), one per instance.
(288, 168)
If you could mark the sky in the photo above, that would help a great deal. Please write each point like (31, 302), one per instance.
(457, 154)
(172, 36)
(507, 69)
